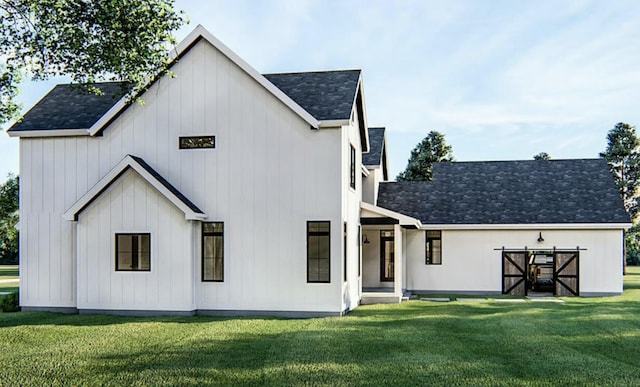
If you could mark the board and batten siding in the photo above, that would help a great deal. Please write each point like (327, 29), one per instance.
(131, 205)
(471, 263)
(267, 176)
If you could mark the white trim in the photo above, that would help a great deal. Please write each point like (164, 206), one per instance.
(383, 212)
(48, 133)
(201, 32)
(537, 226)
(334, 123)
(365, 171)
(128, 162)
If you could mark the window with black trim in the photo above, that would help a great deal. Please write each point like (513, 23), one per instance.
(196, 142)
(133, 252)
(352, 176)
(213, 251)
(344, 252)
(433, 250)
(318, 251)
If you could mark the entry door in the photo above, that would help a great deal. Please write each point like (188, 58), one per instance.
(514, 273)
(387, 252)
(565, 273)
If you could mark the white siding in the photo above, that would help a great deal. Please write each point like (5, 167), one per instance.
(470, 263)
(268, 175)
(130, 205)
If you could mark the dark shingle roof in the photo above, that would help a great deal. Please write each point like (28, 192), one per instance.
(70, 107)
(510, 192)
(326, 95)
(376, 140)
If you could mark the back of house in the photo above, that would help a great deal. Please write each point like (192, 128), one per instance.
(231, 192)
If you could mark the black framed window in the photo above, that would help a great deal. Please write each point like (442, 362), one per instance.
(318, 251)
(344, 252)
(213, 251)
(433, 250)
(133, 252)
(352, 176)
(197, 142)
(359, 250)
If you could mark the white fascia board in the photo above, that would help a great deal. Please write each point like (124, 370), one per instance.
(537, 226)
(365, 171)
(383, 212)
(364, 111)
(333, 123)
(128, 162)
(49, 133)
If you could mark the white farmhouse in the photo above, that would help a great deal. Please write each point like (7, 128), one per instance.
(231, 192)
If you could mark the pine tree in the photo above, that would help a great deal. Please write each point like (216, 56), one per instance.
(431, 149)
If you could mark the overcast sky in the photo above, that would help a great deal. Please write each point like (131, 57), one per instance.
(501, 79)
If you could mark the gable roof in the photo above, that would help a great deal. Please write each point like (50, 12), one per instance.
(190, 210)
(327, 95)
(68, 106)
(198, 34)
(510, 192)
(377, 155)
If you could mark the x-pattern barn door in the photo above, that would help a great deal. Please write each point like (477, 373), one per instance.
(565, 273)
(514, 273)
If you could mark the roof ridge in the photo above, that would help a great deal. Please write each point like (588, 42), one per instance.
(314, 72)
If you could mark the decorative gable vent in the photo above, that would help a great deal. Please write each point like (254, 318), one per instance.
(197, 142)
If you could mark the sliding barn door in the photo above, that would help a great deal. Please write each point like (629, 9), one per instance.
(565, 273)
(514, 273)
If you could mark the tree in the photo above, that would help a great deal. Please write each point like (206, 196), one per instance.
(542, 156)
(431, 149)
(9, 217)
(88, 40)
(623, 157)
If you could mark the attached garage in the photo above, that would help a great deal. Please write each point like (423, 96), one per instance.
(502, 233)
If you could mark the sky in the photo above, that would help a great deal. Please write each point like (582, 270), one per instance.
(502, 80)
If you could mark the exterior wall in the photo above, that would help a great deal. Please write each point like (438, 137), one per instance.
(351, 290)
(268, 175)
(470, 263)
(370, 185)
(130, 205)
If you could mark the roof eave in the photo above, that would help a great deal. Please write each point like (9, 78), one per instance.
(532, 226)
(49, 133)
(103, 184)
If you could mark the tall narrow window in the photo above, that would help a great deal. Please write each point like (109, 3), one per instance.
(359, 250)
(133, 252)
(352, 176)
(344, 252)
(213, 251)
(433, 251)
(387, 256)
(318, 251)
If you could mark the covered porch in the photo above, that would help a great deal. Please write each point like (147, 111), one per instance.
(383, 254)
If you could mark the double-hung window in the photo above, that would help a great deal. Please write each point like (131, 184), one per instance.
(213, 251)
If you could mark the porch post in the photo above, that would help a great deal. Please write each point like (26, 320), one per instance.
(397, 260)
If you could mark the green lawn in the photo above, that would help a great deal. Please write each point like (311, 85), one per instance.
(584, 341)
(8, 272)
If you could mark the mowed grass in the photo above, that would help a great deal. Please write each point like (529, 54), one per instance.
(8, 278)
(584, 341)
